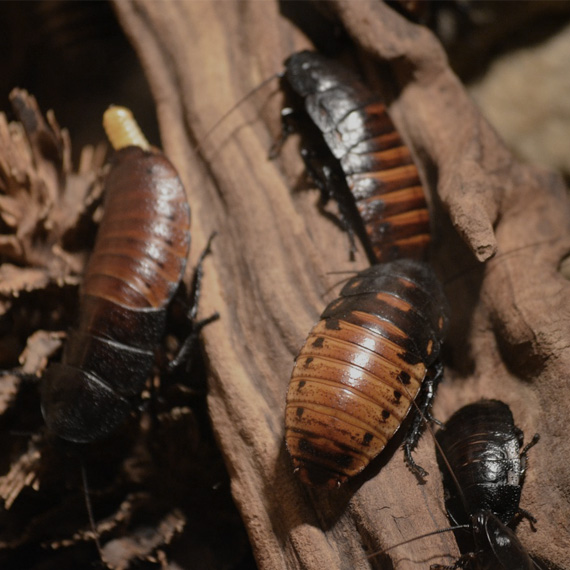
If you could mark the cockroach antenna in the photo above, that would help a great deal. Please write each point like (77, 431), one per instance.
(235, 106)
(420, 537)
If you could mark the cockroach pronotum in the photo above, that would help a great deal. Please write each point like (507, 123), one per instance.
(135, 268)
(483, 472)
(375, 349)
(354, 154)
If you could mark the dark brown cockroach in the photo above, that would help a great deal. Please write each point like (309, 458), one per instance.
(135, 268)
(355, 155)
(375, 350)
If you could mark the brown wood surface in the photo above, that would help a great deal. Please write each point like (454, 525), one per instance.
(270, 272)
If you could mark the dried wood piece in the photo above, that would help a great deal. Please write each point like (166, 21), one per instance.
(8, 391)
(143, 524)
(269, 274)
(140, 504)
(144, 539)
(42, 201)
(23, 473)
(40, 347)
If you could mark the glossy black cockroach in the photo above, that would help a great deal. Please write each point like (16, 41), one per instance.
(483, 469)
(135, 268)
(353, 152)
(375, 349)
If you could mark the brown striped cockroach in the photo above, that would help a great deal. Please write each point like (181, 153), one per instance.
(132, 275)
(373, 352)
(355, 155)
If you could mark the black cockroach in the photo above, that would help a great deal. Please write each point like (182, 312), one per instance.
(375, 349)
(135, 268)
(355, 155)
(482, 445)
(483, 469)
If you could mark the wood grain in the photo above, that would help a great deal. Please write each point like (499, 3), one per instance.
(270, 275)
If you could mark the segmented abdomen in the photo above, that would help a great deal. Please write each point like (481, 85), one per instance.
(361, 366)
(378, 166)
(143, 240)
(388, 192)
(141, 247)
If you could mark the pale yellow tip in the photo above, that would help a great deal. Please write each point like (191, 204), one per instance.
(122, 130)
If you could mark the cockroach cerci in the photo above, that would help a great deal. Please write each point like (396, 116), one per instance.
(483, 470)
(354, 154)
(375, 349)
(135, 268)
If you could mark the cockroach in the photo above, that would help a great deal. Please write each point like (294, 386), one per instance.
(355, 155)
(374, 350)
(483, 463)
(136, 266)
(483, 468)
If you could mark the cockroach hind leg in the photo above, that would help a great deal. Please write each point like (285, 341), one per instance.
(524, 514)
(319, 172)
(535, 439)
(434, 420)
(412, 439)
(432, 381)
(423, 414)
(184, 354)
(328, 192)
(191, 341)
(332, 185)
(197, 279)
(416, 469)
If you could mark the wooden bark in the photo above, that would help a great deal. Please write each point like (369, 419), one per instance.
(270, 274)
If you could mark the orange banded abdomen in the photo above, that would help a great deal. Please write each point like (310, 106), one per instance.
(387, 190)
(360, 368)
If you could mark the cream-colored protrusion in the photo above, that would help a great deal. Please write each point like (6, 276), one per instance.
(122, 129)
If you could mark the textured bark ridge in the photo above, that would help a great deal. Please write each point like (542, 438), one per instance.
(270, 275)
